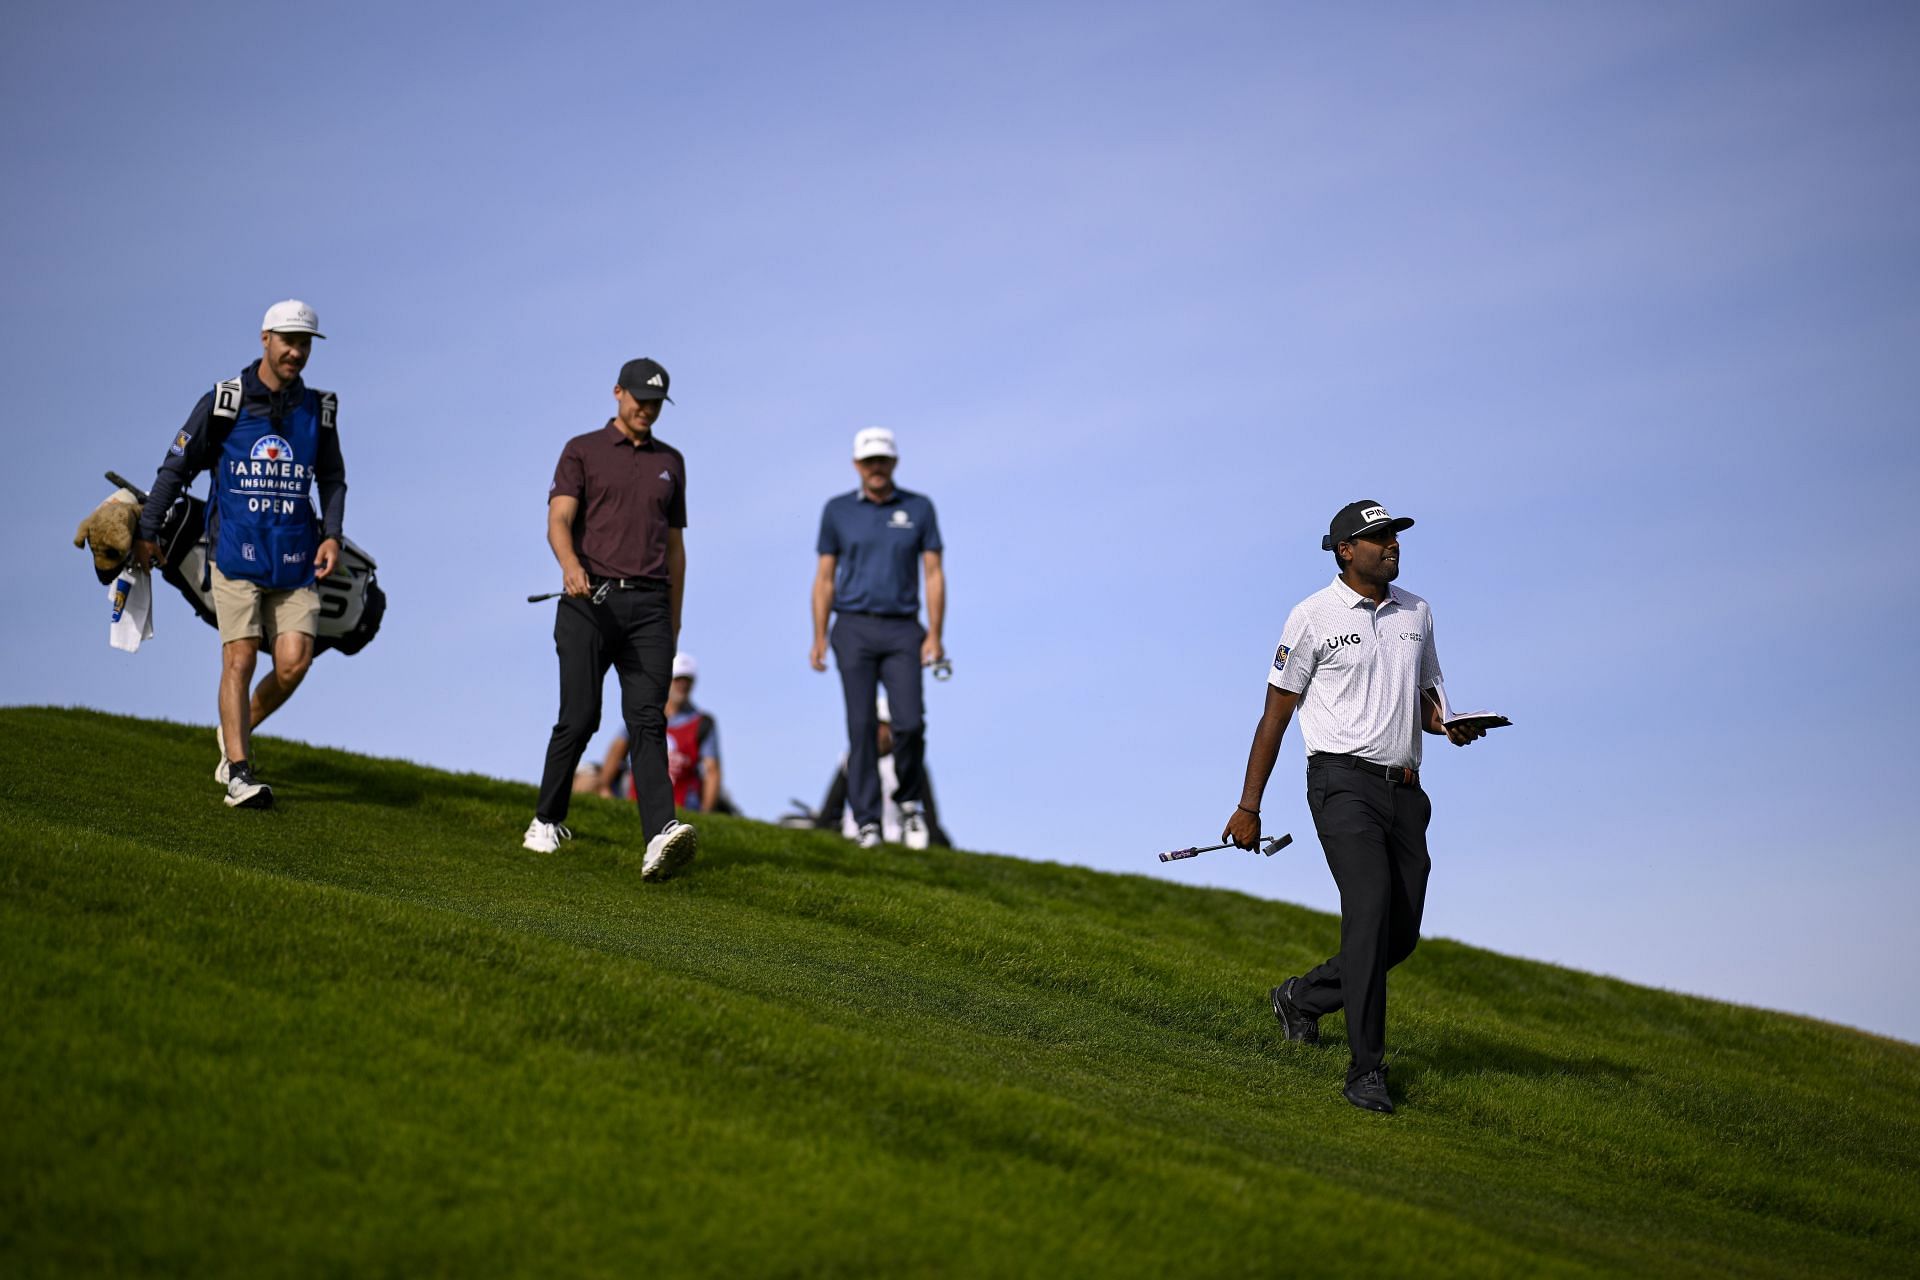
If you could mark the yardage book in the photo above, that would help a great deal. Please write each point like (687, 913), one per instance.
(1467, 719)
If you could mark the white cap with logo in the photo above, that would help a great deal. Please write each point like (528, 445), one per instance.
(874, 442)
(291, 316)
(685, 666)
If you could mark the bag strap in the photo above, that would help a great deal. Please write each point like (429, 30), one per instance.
(220, 421)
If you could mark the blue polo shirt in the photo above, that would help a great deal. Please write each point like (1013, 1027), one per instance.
(878, 546)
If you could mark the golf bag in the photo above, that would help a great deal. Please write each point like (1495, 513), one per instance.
(351, 601)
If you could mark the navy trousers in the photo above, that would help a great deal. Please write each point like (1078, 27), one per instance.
(871, 650)
(632, 632)
(1374, 833)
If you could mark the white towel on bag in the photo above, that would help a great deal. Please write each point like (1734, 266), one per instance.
(130, 599)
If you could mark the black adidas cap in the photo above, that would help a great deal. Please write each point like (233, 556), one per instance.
(645, 379)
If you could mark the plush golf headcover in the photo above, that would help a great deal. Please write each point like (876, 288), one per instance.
(110, 530)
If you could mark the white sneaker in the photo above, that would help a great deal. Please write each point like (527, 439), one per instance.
(869, 837)
(245, 793)
(670, 851)
(913, 824)
(220, 773)
(544, 837)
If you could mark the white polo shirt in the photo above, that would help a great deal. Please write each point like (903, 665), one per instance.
(1359, 671)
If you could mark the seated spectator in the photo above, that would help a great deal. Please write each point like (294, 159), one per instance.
(693, 749)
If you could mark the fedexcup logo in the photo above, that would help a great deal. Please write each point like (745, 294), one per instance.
(271, 449)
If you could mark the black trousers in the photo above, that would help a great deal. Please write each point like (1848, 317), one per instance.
(1374, 833)
(632, 632)
(871, 650)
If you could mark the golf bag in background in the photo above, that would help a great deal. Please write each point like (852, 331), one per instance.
(351, 601)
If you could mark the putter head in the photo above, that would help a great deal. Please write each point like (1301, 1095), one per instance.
(1275, 845)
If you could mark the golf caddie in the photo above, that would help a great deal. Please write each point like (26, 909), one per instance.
(874, 544)
(269, 440)
(616, 516)
(1357, 663)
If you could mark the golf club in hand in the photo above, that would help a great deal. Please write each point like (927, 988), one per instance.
(1267, 847)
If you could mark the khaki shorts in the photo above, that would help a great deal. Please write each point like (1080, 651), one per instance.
(249, 611)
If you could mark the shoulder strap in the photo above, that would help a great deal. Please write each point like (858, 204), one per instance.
(329, 406)
(226, 400)
(224, 413)
(220, 419)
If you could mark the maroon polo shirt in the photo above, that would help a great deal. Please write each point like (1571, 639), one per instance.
(630, 495)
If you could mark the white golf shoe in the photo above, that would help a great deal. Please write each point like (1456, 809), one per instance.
(670, 851)
(243, 792)
(913, 824)
(869, 837)
(544, 837)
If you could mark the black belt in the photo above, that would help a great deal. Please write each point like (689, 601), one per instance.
(626, 584)
(1391, 772)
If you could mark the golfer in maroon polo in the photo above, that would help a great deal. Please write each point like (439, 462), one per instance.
(616, 513)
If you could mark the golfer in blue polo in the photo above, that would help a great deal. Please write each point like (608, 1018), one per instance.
(874, 544)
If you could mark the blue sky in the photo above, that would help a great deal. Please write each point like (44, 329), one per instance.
(1619, 303)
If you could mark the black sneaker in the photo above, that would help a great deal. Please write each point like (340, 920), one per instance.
(1368, 1091)
(244, 792)
(1300, 1026)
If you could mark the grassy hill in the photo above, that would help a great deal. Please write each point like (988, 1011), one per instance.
(367, 1034)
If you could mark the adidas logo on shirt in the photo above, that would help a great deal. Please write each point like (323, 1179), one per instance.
(667, 476)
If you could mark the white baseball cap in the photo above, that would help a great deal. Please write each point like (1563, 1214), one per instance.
(684, 665)
(874, 442)
(291, 316)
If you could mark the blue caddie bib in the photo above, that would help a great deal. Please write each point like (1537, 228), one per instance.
(265, 530)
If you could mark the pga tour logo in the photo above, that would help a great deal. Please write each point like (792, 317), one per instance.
(271, 449)
(246, 552)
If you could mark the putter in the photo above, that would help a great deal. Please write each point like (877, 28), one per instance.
(599, 595)
(1267, 847)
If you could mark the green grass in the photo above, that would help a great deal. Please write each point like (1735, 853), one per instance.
(367, 1034)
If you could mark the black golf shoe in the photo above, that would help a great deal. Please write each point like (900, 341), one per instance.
(1368, 1091)
(1300, 1026)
